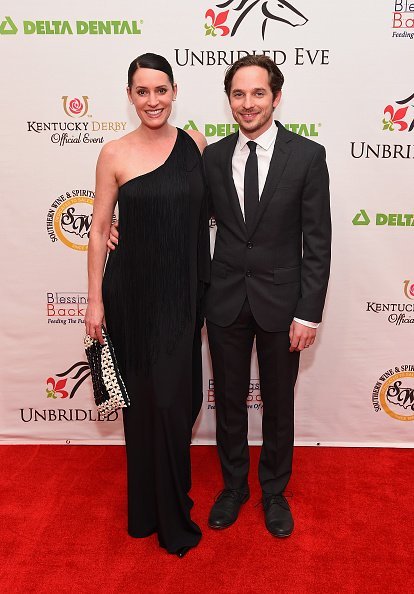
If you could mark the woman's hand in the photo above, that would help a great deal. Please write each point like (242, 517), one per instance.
(94, 319)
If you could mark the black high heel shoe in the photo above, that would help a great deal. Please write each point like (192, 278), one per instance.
(182, 552)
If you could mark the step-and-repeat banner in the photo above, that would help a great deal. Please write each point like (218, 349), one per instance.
(348, 86)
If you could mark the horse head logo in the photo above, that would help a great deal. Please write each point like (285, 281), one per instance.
(54, 387)
(276, 10)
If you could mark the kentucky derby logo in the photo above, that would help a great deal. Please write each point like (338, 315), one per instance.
(275, 10)
(75, 108)
(394, 393)
(69, 219)
(409, 289)
(394, 116)
(58, 388)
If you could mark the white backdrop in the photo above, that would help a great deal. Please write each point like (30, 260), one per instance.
(347, 86)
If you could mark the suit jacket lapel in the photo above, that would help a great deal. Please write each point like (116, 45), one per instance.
(281, 154)
(231, 188)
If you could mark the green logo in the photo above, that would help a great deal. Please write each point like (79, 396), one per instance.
(190, 125)
(395, 219)
(221, 130)
(391, 219)
(213, 129)
(303, 129)
(55, 27)
(361, 218)
(7, 27)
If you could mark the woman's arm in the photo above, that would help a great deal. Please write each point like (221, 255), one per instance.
(106, 194)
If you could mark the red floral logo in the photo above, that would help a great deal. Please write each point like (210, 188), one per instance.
(55, 387)
(408, 289)
(216, 23)
(75, 108)
(395, 116)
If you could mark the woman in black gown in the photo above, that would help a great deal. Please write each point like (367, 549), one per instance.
(147, 298)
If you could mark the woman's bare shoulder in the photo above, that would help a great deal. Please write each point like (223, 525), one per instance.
(198, 138)
(119, 145)
(115, 151)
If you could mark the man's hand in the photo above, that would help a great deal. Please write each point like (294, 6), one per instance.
(301, 337)
(113, 236)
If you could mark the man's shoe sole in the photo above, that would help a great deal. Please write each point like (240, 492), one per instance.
(286, 535)
(222, 526)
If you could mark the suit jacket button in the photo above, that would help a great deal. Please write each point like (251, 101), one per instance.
(248, 273)
(249, 245)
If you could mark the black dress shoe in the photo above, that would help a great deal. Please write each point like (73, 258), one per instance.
(183, 551)
(226, 508)
(278, 517)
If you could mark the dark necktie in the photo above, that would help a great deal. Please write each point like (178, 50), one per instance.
(251, 185)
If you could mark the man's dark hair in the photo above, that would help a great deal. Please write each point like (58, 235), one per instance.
(153, 61)
(276, 78)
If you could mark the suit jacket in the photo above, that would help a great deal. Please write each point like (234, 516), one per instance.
(282, 265)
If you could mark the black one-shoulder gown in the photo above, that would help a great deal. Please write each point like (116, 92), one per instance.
(150, 298)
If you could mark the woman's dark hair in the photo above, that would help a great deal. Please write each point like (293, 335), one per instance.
(276, 78)
(153, 61)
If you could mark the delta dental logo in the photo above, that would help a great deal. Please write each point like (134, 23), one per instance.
(394, 393)
(383, 219)
(69, 219)
(403, 19)
(239, 11)
(394, 119)
(74, 132)
(66, 308)
(61, 388)
(396, 313)
(212, 130)
(221, 130)
(55, 27)
(253, 400)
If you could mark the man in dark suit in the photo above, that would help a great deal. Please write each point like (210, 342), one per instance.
(269, 192)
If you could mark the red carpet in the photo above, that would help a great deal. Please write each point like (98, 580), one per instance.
(63, 519)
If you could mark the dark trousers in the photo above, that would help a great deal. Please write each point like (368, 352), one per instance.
(231, 349)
